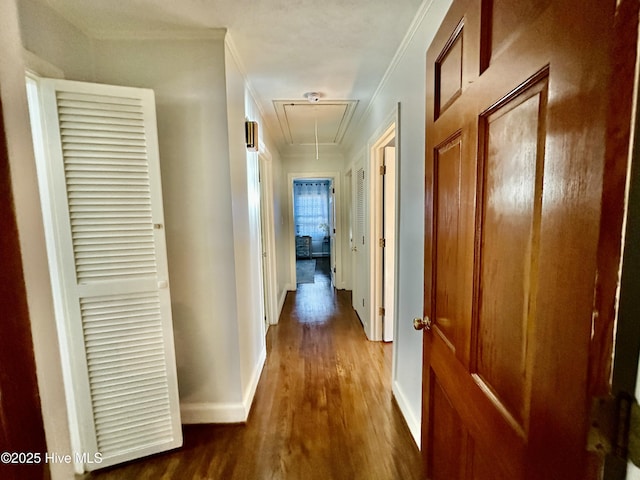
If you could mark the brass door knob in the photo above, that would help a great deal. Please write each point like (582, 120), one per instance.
(422, 323)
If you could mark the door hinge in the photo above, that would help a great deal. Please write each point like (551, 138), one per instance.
(615, 427)
(382, 243)
(383, 169)
(381, 311)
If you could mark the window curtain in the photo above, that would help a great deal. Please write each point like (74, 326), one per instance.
(311, 209)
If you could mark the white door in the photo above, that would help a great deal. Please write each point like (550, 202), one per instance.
(267, 241)
(263, 255)
(359, 252)
(389, 232)
(107, 228)
(332, 232)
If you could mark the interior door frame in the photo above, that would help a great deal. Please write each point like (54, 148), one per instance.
(21, 414)
(387, 133)
(337, 185)
(332, 234)
(618, 254)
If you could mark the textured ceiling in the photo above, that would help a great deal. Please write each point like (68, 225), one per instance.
(340, 48)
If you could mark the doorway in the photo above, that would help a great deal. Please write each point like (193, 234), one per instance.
(315, 231)
(383, 232)
(314, 225)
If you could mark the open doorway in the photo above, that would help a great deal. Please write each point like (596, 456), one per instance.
(314, 226)
(324, 229)
(383, 253)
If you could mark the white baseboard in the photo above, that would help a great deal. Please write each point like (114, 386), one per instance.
(191, 413)
(283, 297)
(412, 421)
(236, 412)
(250, 391)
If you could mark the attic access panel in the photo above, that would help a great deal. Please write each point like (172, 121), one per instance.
(298, 120)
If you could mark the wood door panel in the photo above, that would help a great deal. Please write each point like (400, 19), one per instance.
(503, 19)
(453, 230)
(449, 71)
(512, 165)
(449, 447)
(478, 409)
(454, 56)
(482, 465)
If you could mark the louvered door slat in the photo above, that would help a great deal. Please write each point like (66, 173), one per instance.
(87, 184)
(107, 174)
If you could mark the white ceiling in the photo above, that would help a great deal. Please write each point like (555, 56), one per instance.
(339, 48)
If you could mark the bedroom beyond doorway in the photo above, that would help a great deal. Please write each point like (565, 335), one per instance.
(312, 212)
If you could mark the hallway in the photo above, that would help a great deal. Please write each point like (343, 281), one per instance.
(323, 408)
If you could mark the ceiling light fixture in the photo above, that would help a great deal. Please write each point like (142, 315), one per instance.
(312, 97)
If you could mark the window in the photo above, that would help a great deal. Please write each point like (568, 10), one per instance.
(311, 209)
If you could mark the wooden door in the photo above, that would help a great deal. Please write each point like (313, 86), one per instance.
(516, 101)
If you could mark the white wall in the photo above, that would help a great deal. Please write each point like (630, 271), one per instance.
(214, 350)
(405, 83)
(245, 189)
(56, 40)
(188, 77)
(208, 217)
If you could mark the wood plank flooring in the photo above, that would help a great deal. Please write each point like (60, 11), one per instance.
(323, 408)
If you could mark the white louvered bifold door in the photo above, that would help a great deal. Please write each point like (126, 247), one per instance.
(104, 180)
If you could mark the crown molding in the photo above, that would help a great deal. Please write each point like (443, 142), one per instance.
(425, 6)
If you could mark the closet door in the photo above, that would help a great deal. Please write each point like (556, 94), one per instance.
(108, 228)
(361, 267)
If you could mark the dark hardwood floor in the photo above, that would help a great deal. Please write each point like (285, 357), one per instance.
(323, 408)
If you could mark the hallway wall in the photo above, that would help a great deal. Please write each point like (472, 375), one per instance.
(200, 279)
(245, 190)
(219, 352)
(56, 40)
(188, 77)
(404, 83)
